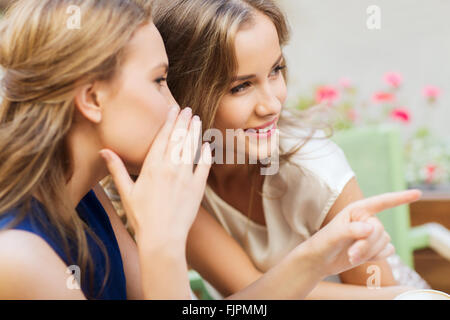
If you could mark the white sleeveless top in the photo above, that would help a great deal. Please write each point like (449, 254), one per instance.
(298, 198)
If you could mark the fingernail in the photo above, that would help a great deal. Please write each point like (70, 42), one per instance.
(196, 118)
(104, 154)
(173, 111)
(187, 112)
(367, 227)
(353, 256)
(353, 252)
(353, 260)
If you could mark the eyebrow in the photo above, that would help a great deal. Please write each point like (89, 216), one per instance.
(162, 65)
(250, 76)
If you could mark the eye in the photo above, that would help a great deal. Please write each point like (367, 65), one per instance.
(161, 80)
(240, 87)
(276, 71)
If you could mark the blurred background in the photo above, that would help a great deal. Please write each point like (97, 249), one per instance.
(395, 74)
(382, 69)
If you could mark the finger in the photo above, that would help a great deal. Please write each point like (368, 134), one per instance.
(354, 252)
(178, 135)
(388, 251)
(192, 141)
(376, 247)
(371, 246)
(159, 145)
(363, 209)
(363, 250)
(202, 171)
(359, 230)
(118, 171)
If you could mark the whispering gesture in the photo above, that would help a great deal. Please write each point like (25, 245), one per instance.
(164, 200)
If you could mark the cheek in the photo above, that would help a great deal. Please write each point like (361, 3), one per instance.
(281, 90)
(234, 112)
(130, 125)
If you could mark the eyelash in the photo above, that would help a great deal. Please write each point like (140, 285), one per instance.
(161, 80)
(240, 87)
(279, 68)
(245, 85)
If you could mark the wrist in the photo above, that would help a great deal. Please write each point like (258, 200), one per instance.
(164, 271)
(170, 247)
(310, 258)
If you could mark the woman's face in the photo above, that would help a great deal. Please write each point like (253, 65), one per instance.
(256, 97)
(136, 102)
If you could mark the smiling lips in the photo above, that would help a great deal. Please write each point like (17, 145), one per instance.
(264, 131)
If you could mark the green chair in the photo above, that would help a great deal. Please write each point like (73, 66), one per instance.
(376, 156)
(198, 286)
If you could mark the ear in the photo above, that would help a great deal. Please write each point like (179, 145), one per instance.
(87, 103)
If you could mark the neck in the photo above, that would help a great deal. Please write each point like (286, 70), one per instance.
(226, 175)
(88, 168)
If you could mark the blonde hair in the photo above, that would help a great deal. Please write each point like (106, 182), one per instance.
(200, 42)
(43, 62)
(199, 37)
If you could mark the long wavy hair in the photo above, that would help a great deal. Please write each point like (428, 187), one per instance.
(44, 60)
(200, 41)
(199, 36)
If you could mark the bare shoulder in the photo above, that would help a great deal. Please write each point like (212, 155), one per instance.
(31, 269)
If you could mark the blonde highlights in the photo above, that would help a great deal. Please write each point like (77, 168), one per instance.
(43, 63)
(200, 42)
(200, 37)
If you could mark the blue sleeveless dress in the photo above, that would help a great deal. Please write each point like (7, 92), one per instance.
(91, 211)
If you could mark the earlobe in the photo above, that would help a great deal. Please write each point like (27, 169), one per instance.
(87, 103)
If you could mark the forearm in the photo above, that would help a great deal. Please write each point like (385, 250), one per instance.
(340, 291)
(293, 278)
(164, 271)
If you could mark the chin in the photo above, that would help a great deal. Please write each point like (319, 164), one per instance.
(258, 155)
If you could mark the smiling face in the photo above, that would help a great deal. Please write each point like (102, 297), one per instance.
(257, 95)
(135, 104)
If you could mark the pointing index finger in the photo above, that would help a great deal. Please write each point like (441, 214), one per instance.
(366, 208)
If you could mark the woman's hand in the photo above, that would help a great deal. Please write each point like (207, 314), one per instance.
(355, 236)
(163, 202)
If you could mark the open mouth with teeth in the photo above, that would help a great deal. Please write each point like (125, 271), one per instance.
(265, 131)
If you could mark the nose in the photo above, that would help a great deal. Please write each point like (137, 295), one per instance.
(268, 103)
(170, 99)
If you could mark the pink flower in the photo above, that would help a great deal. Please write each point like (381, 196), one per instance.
(383, 97)
(394, 79)
(345, 83)
(353, 115)
(431, 92)
(401, 114)
(326, 94)
(430, 171)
